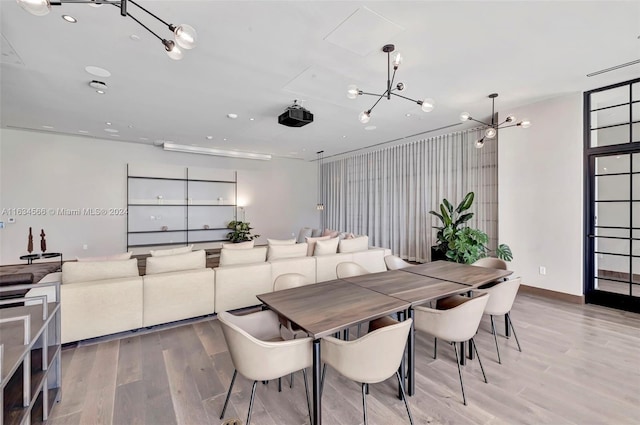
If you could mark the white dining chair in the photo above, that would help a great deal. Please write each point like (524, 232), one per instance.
(287, 329)
(393, 262)
(259, 354)
(349, 269)
(502, 297)
(491, 262)
(371, 359)
(456, 324)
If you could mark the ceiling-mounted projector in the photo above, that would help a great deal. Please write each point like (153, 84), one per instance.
(295, 116)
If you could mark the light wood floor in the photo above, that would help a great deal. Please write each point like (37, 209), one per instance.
(579, 365)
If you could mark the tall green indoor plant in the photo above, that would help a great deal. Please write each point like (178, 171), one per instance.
(458, 242)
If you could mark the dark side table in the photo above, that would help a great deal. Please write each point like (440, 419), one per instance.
(31, 257)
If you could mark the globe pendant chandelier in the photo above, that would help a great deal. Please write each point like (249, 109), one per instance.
(185, 35)
(353, 91)
(491, 130)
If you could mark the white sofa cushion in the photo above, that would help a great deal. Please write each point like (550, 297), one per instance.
(230, 257)
(277, 252)
(371, 259)
(114, 257)
(172, 251)
(101, 307)
(361, 243)
(174, 263)
(326, 265)
(239, 245)
(305, 266)
(237, 286)
(312, 243)
(177, 295)
(328, 247)
(87, 271)
(281, 241)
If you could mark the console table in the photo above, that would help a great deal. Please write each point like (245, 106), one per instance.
(44, 255)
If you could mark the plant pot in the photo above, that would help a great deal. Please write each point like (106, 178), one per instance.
(437, 254)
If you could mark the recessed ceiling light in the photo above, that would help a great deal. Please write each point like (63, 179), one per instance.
(130, 126)
(344, 137)
(108, 123)
(144, 138)
(251, 119)
(83, 131)
(209, 137)
(134, 37)
(605, 168)
(69, 19)
(232, 116)
(111, 130)
(224, 139)
(47, 126)
(370, 127)
(97, 71)
(100, 91)
(617, 156)
(407, 115)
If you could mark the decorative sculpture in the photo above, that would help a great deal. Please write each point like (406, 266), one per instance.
(43, 242)
(30, 243)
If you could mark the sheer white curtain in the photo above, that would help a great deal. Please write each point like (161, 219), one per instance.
(387, 194)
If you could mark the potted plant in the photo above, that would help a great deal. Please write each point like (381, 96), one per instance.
(241, 231)
(458, 242)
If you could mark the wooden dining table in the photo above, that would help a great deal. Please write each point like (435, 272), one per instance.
(326, 308)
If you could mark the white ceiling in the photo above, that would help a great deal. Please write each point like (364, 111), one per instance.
(255, 57)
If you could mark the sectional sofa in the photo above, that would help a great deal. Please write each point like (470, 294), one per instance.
(105, 297)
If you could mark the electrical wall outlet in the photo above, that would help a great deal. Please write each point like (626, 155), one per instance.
(543, 270)
(11, 220)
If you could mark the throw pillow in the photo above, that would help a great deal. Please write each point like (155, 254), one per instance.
(176, 263)
(281, 241)
(304, 233)
(277, 252)
(239, 245)
(316, 233)
(330, 233)
(327, 247)
(114, 257)
(311, 242)
(86, 271)
(174, 251)
(361, 243)
(229, 257)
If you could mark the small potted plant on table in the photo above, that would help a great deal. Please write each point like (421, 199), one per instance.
(240, 231)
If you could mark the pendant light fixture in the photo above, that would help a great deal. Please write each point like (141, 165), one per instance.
(353, 91)
(320, 204)
(491, 130)
(185, 36)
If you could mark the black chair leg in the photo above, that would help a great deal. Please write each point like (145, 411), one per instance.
(495, 338)
(253, 394)
(291, 381)
(455, 348)
(364, 402)
(404, 398)
(279, 385)
(306, 391)
(473, 343)
(514, 331)
(226, 401)
(435, 347)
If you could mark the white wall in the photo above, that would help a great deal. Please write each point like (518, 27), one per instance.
(42, 170)
(541, 194)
